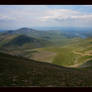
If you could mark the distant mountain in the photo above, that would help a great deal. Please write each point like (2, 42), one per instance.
(27, 31)
(69, 32)
(45, 35)
(28, 37)
(19, 31)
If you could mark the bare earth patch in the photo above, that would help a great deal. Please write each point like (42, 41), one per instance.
(75, 65)
(44, 56)
(83, 54)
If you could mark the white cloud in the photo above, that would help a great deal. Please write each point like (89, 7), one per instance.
(64, 14)
(44, 16)
(67, 17)
(59, 13)
(4, 17)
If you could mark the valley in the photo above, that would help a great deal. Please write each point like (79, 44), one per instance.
(33, 59)
(59, 55)
(49, 46)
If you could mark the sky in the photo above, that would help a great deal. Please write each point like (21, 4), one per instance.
(17, 16)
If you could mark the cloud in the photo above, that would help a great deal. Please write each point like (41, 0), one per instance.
(4, 17)
(42, 15)
(59, 13)
(67, 17)
(64, 14)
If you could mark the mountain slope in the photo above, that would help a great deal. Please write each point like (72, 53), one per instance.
(27, 31)
(21, 41)
(77, 53)
(55, 36)
(19, 71)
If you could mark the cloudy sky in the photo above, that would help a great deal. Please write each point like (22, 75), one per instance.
(16, 16)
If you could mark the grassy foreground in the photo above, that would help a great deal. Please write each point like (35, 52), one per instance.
(19, 71)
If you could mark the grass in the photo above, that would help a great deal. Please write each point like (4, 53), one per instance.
(19, 71)
(75, 53)
(61, 54)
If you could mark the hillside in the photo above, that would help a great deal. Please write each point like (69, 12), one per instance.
(44, 59)
(55, 36)
(51, 46)
(65, 32)
(21, 41)
(77, 52)
(19, 71)
(87, 64)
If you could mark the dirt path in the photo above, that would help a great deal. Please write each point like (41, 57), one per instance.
(82, 54)
(76, 60)
(75, 52)
(77, 65)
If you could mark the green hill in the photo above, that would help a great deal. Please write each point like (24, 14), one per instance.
(77, 50)
(55, 36)
(73, 54)
(21, 41)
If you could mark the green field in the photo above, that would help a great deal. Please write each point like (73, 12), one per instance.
(68, 55)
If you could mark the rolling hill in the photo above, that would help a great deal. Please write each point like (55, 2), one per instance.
(45, 58)
(25, 38)
(16, 41)
(77, 52)
(47, 46)
(51, 33)
(56, 37)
